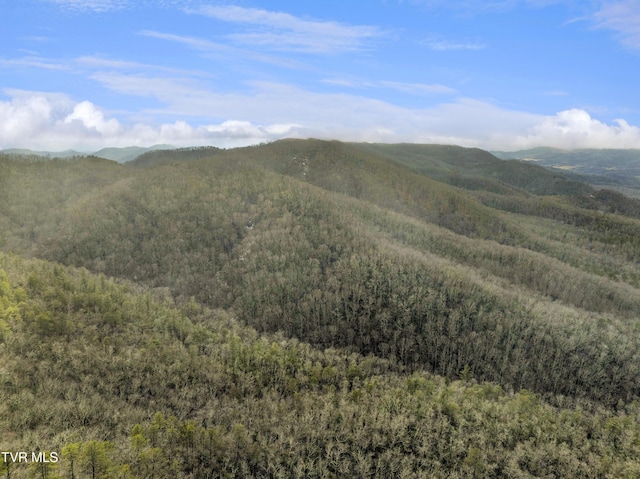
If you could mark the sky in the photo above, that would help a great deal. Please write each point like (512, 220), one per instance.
(494, 74)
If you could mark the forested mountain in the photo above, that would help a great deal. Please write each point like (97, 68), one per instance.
(301, 308)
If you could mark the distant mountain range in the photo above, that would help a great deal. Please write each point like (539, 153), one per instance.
(614, 168)
(557, 157)
(617, 169)
(120, 155)
(587, 161)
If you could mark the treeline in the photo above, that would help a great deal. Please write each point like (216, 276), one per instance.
(122, 383)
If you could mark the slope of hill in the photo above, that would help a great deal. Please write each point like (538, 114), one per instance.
(471, 168)
(344, 247)
(113, 381)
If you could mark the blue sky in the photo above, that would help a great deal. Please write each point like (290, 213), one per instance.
(497, 74)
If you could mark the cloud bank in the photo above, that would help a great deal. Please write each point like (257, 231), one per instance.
(44, 121)
(48, 121)
(575, 128)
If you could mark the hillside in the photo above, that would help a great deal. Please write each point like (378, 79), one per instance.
(471, 168)
(118, 382)
(394, 269)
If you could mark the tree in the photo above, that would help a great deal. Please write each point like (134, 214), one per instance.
(95, 458)
(71, 455)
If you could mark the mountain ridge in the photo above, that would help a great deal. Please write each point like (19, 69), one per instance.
(243, 307)
(120, 155)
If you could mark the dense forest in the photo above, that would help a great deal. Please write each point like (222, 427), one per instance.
(317, 309)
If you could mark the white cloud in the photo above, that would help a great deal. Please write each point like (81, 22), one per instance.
(576, 128)
(27, 115)
(288, 32)
(328, 115)
(471, 122)
(43, 121)
(264, 103)
(87, 115)
(624, 18)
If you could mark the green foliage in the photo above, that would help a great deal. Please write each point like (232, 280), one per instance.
(363, 290)
(341, 272)
(230, 403)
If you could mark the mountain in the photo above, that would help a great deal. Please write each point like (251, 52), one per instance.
(128, 153)
(312, 307)
(117, 154)
(472, 168)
